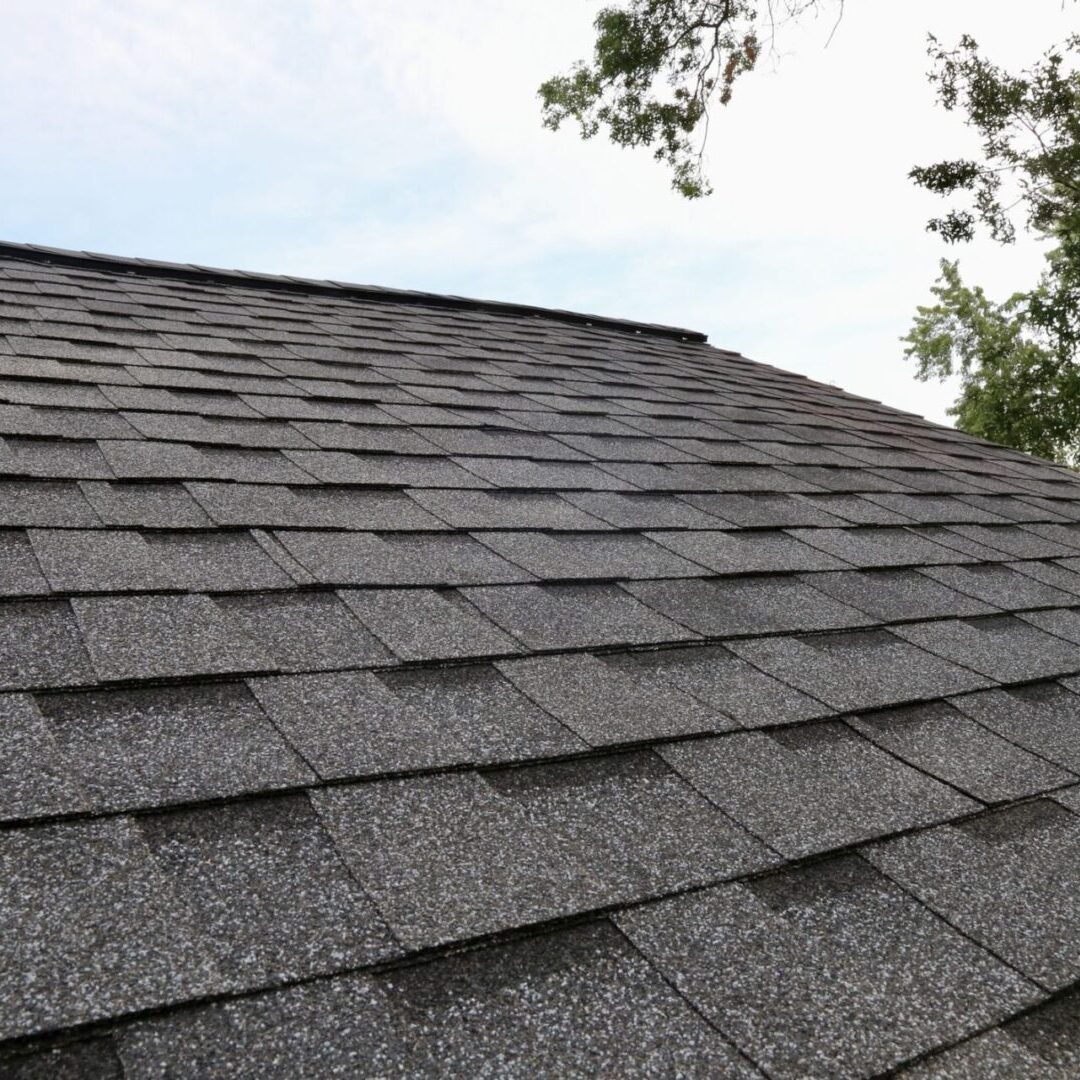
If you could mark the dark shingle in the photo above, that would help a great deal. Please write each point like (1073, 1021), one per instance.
(1009, 879)
(721, 608)
(747, 552)
(398, 559)
(129, 748)
(773, 511)
(20, 574)
(801, 970)
(630, 511)
(144, 637)
(268, 889)
(53, 459)
(568, 616)
(503, 510)
(457, 856)
(808, 789)
(858, 670)
(606, 704)
(523, 473)
(891, 595)
(335, 467)
(425, 624)
(1001, 646)
(148, 506)
(878, 547)
(66, 892)
(178, 461)
(40, 645)
(941, 741)
(44, 502)
(1000, 585)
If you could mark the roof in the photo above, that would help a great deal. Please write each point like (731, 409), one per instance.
(394, 684)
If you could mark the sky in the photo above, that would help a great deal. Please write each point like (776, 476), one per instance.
(401, 145)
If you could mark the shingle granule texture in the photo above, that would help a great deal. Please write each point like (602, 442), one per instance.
(404, 685)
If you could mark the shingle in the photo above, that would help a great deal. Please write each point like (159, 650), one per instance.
(1004, 647)
(398, 559)
(578, 1002)
(1000, 585)
(992, 1055)
(523, 473)
(34, 778)
(747, 552)
(1061, 622)
(148, 506)
(20, 574)
(941, 509)
(304, 631)
(500, 443)
(383, 438)
(860, 670)
(142, 637)
(217, 430)
(707, 478)
(354, 724)
(561, 556)
(59, 395)
(631, 511)
(453, 857)
(891, 595)
(878, 547)
(568, 616)
(835, 478)
(53, 459)
(1014, 540)
(725, 683)
(340, 467)
(827, 970)
(1043, 718)
(94, 1059)
(503, 510)
(722, 608)
(268, 889)
(199, 402)
(1009, 879)
(425, 624)
(943, 742)
(605, 704)
(89, 928)
(1061, 575)
(858, 509)
(773, 511)
(151, 747)
(168, 461)
(40, 645)
(805, 790)
(44, 502)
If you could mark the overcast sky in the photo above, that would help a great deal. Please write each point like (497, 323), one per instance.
(400, 144)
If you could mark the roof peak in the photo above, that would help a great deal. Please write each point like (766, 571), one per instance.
(288, 283)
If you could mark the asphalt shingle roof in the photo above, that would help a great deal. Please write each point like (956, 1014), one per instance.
(394, 684)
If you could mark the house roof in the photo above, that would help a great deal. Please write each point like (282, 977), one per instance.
(399, 684)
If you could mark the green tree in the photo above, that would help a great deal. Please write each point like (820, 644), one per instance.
(1017, 360)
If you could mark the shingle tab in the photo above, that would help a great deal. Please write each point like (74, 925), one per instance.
(163, 745)
(813, 788)
(747, 553)
(1009, 879)
(40, 645)
(842, 1005)
(892, 595)
(458, 856)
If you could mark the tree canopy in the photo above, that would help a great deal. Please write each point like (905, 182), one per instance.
(659, 65)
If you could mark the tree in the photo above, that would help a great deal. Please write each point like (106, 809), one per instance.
(657, 67)
(1017, 360)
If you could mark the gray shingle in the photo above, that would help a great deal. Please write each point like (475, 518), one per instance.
(1004, 647)
(569, 616)
(726, 683)
(53, 459)
(457, 856)
(20, 574)
(92, 1060)
(575, 1003)
(149, 506)
(44, 502)
(808, 789)
(143, 637)
(892, 595)
(941, 509)
(631, 511)
(382, 438)
(425, 624)
(941, 741)
(606, 704)
(860, 670)
(826, 970)
(1000, 585)
(90, 927)
(523, 473)
(1014, 540)
(304, 631)
(773, 511)
(398, 559)
(596, 556)
(339, 467)
(268, 889)
(34, 779)
(1043, 718)
(40, 645)
(747, 552)
(994, 1055)
(873, 547)
(1010, 879)
(858, 509)
(721, 608)
(177, 461)
(152, 747)
(1062, 622)
(503, 510)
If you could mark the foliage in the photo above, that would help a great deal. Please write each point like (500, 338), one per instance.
(1017, 360)
(657, 66)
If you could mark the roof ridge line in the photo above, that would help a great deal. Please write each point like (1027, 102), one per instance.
(289, 283)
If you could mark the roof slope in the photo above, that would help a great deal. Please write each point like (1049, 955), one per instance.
(397, 684)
